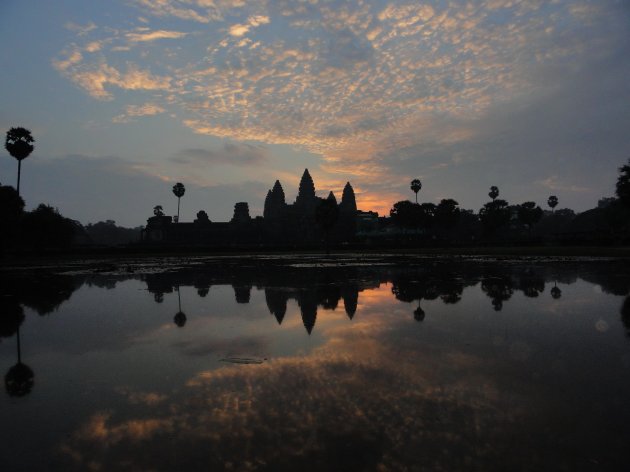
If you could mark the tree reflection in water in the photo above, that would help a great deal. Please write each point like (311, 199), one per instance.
(180, 317)
(428, 285)
(555, 291)
(387, 406)
(625, 315)
(499, 289)
(19, 379)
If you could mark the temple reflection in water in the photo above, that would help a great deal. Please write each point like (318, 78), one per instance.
(360, 362)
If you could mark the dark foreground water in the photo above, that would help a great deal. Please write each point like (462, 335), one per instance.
(356, 364)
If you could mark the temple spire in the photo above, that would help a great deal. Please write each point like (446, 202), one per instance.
(278, 193)
(348, 201)
(274, 203)
(306, 193)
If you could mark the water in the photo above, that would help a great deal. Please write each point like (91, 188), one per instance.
(306, 364)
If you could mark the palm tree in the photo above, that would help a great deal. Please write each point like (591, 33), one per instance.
(552, 201)
(180, 317)
(494, 192)
(19, 144)
(19, 379)
(179, 190)
(416, 185)
(623, 184)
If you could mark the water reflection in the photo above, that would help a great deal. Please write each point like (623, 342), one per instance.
(625, 315)
(555, 291)
(180, 317)
(316, 287)
(351, 381)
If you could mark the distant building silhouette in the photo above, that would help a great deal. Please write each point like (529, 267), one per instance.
(281, 223)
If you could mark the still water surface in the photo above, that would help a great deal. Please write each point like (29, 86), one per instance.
(261, 364)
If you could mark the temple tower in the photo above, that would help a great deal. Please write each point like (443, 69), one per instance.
(275, 202)
(348, 201)
(306, 194)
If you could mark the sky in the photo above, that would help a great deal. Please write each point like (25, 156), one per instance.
(126, 98)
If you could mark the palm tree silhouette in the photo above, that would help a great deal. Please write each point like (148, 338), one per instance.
(180, 317)
(19, 145)
(494, 192)
(416, 185)
(179, 190)
(552, 201)
(19, 379)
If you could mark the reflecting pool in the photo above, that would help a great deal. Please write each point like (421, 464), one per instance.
(310, 363)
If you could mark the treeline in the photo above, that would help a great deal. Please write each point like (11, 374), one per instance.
(500, 221)
(45, 228)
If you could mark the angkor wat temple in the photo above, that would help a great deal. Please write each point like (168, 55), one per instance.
(297, 224)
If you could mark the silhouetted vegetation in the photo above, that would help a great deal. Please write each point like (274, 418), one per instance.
(494, 192)
(416, 185)
(529, 214)
(311, 219)
(178, 190)
(19, 143)
(447, 214)
(11, 209)
(405, 214)
(44, 228)
(107, 233)
(623, 184)
(495, 215)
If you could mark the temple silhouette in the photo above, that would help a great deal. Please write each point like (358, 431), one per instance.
(282, 223)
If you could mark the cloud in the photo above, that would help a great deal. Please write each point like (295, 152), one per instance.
(94, 78)
(231, 154)
(72, 58)
(148, 109)
(287, 411)
(244, 346)
(239, 30)
(370, 88)
(80, 30)
(154, 35)
(202, 11)
(554, 183)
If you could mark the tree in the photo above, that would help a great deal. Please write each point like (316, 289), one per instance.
(447, 213)
(179, 190)
(11, 208)
(529, 214)
(426, 215)
(494, 192)
(494, 215)
(416, 185)
(202, 217)
(158, 211)
(44, 227)
(180, 317)
(623, 184)
(19, 144)
(552, 201)
(405, 214)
